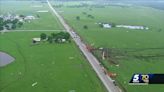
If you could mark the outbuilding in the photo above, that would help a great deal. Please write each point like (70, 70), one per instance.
(29, 18)
(107, 26)
(36, 40)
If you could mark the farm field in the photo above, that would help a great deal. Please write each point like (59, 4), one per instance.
(136, 43)
(46, 20)
(43, 67)
(55, 67)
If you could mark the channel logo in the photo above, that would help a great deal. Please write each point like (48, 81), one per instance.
(139, 79)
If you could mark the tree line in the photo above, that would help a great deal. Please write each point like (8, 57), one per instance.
(56, 37)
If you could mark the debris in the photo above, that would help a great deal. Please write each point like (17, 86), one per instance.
(53, 62)
(20, 73)
(71, 57)
(72, 91)
(42, 11)
(34, 84)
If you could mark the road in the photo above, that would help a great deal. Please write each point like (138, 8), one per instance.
(106, 80)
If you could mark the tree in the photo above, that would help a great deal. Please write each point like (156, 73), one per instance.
(15, 21)
(7, 21)
(50, 39)
(53, 35)
(22, 16)
(85, 27)
(84, 13)
(159, 30)
(90, 16)
(38, 16)
(66, 36)
(1, 22)
(1, 28)
(20, 24)
(113, 25)
(101, 25)
(13, 26)
(78, 18)
(7, 27)
(43, 36)
(59, 37)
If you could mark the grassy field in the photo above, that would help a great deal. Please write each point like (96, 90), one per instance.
(47, 21)
(55, 67)
(134, 42)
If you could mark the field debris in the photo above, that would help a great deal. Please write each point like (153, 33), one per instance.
(53, 63)
(113, 25)
(37, 6)
(42, 11)
(34, 84)
(72, 91)
(132, 27)
(71, 57)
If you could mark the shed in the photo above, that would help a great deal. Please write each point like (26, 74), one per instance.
(107, 26)
(29, 18)
(35, 40)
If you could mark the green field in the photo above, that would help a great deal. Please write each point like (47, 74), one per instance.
(55, 67)
(47, 21)
(134, 42)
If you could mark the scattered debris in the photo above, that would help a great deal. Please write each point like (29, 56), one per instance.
(53, 63)
(132, 27)
(42, 11)
(34, 84)
(71, 91)
(20, 73)
(37, 6)
(112, 25)
(71, 57)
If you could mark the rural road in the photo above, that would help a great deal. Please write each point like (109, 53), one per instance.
(106, 80)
